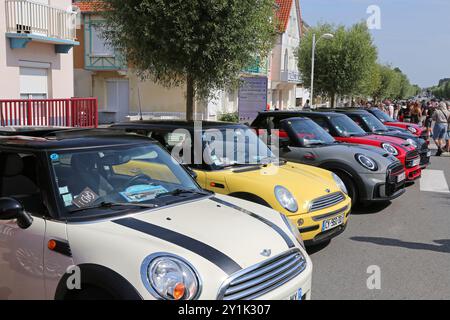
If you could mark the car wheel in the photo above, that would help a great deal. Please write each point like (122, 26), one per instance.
(350, 185)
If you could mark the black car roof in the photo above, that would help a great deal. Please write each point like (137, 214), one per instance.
(69, 139)
(351, 111)
(302, 113)
(175, 124)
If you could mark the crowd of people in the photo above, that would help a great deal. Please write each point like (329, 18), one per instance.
(434, 115)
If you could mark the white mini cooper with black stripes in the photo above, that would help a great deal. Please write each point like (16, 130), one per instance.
(94, 215)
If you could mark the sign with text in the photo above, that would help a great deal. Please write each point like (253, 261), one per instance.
(252, 97)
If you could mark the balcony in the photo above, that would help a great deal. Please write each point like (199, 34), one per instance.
(28, 21)
(291, 76)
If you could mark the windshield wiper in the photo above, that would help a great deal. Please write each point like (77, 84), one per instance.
(109, 205)
(178, 192)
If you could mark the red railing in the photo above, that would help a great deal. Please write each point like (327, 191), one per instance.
(74, 112)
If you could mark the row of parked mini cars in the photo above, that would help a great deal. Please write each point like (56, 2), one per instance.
(179, 210)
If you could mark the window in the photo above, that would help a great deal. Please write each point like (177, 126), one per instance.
(33, 83)
(19, 180)
(98, 45)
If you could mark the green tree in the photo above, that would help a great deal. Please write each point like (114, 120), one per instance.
(342, 63)
(203, 44)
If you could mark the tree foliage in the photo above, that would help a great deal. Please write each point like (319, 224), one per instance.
(201, 43)
(341, 64)
(442, 91)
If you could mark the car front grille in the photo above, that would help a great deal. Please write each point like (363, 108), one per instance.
(392, 186)
(262, 278)
(411, 155)
(326, 201)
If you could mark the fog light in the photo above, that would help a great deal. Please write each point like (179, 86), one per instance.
(300, 222)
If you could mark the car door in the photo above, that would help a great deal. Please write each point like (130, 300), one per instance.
(21, 250)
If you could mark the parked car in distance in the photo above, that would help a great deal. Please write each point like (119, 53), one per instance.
(371, 124)
(315, 200)
(370, 174)
(389, 122)
(118, 214)
(343, 129)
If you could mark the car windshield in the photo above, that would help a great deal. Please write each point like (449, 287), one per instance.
(142, 175)
(373, 123)
(310, 133)
(229, 147)
(346, 127)
(382, 116)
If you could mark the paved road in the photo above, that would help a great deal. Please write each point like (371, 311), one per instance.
(409, 240)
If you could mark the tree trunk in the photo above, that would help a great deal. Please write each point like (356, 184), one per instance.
(190, 98)
(332, 100)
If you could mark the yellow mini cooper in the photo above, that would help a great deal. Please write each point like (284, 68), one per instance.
(230, 159)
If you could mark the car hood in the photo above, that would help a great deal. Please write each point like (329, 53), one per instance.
(383, 138)
(304, 182)
(216, 234)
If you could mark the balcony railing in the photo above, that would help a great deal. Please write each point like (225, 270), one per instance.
(27, 17)
(74, 112)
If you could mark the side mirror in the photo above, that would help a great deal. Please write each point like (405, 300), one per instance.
(284, 143)
(190, 171)
(11, 209)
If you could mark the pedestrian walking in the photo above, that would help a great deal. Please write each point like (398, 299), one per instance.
(307, 106)
(416, 113)
(441, 118)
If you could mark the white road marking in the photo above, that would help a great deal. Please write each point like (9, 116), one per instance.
(434, 181)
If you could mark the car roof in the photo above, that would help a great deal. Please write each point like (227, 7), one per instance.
(302, 113)
(70, 139)
(175, 124)
(351, 111)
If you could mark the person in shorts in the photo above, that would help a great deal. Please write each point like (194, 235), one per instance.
(441, 119)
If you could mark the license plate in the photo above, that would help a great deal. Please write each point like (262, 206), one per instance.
(416, 162)
(333, 222)
(297, 296)
(429, 154)
(401, 177)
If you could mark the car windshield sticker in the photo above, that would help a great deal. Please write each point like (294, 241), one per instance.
(63, 190)
(85, 198)
(141, 193)
(54, 157)
(67, 198)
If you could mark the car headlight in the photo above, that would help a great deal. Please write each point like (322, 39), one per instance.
(170, 277)
(366, 162)
(340, 183)
(412, 142)
(294, 230)
(389, 148)
(286, 199)
(412, 129)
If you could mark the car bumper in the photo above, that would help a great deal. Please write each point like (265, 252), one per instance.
(384, 187)
(425, 157)
(412, 174)
(311, 224)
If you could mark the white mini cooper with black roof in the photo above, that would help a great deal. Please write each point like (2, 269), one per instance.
(94, 215)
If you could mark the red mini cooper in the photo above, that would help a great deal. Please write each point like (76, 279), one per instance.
(389, 122)
(344, 129)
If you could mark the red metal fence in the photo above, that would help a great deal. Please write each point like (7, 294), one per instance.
(74, 112)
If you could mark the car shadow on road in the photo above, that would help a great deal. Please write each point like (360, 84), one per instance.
(316, 248)
(371, 209)
(441, 246)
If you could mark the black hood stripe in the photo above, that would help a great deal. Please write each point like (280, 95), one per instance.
(218, 258)
(285, 237)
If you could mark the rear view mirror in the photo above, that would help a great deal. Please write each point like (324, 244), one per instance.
(11, 209)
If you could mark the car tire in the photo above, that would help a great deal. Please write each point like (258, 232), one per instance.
(351, 187)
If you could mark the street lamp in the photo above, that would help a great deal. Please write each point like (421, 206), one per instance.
(327, 36)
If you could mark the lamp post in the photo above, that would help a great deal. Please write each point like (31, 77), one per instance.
(327, 36)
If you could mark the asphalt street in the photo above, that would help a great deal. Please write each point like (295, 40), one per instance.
(408, 239)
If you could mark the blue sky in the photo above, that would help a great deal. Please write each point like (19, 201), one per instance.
(414, 34)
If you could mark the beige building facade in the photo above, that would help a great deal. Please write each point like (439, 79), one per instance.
(36, 50)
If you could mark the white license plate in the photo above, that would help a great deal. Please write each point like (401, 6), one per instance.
(401, 177)
(416, 162)
(333, 222)
(429, 154)
(296, 296)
